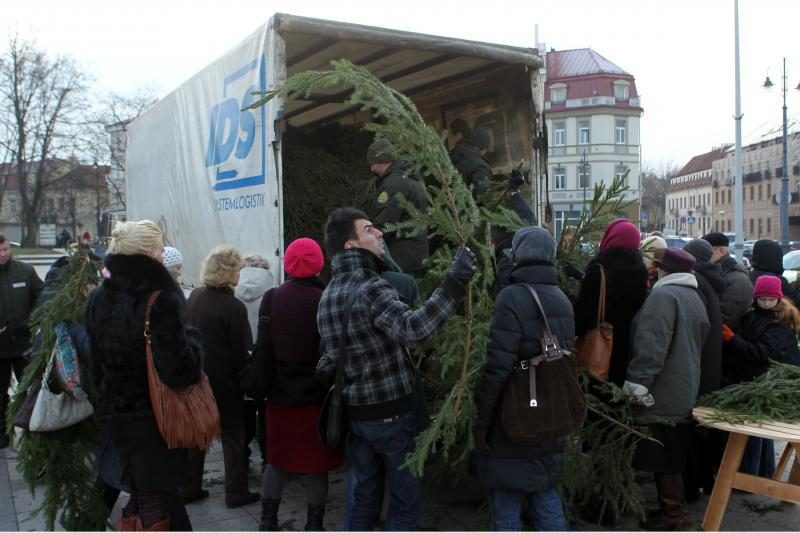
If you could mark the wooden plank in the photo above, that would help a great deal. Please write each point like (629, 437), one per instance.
(771, 430)
(722, 487)
(794, 475)
(767, 487)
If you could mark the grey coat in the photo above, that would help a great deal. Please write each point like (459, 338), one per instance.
(668, 335)
(737, 298)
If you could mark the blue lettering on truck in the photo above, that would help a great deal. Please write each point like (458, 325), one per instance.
(234, 131)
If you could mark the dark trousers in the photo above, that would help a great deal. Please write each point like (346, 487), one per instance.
(17, 365)
(235, 467)
(255, 425)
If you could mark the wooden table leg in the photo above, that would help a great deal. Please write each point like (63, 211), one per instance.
(722, 487)
(794, 475)
(783, 462)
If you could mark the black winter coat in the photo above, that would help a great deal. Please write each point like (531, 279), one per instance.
(20, 287)
(474, 168)
(760, 339)
(225, 330)
(514, 335)
(768, 260)
(626, 290)
(710, 286)
(115, 324)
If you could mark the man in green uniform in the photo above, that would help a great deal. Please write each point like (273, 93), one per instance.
(19, 288)
(409, 248)
(469, 158)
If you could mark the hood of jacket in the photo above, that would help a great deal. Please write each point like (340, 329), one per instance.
(253, 283)
(768, 256)
(533, 272)
(138, 272)
(356, 259)
(711, 272)
(684, 279)
(463, 151)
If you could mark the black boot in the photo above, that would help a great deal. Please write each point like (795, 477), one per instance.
(671, 515)
(314, 517)
(269, 515)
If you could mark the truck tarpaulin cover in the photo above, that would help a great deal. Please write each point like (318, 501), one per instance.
(204, 169)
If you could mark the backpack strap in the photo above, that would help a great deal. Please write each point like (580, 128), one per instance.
(265, 311)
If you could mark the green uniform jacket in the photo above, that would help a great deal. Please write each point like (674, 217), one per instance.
(408, 249)
(19, 288)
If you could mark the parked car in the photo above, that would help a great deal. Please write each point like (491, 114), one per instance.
(791, 266)
(673, 241)
(748, 249)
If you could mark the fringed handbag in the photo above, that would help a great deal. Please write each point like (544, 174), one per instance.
(187, 417)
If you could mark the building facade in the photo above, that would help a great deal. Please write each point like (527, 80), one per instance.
(689, 196)
(593, 117)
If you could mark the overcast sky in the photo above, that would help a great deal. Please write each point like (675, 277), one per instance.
(681, 52)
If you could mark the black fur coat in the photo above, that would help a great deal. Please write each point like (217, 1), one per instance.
(115, 324)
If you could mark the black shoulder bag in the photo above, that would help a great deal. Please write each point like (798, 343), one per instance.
(332, 424)
(258, 374)
(542, 399)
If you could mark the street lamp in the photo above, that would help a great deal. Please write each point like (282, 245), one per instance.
(97, 199)
(584, 177)
(784, 203)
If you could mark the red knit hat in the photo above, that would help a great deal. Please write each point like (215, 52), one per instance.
(303, 258)
(769, 287)
(621, 233)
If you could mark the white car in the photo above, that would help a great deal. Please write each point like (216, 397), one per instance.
(791, 266)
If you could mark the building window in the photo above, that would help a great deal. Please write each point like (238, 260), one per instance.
(584, 176)
(716, 197)
(560, 178)
(558, 94)
(619, 173)
(760, 197)
(729, 225)
(769, 226)
(559, 134)
(583, 132)
(752, 193)
(13, 203)
(620, 128)
(729, 201)
(769, 191)
(621, 91)
(760, 228)
(752, 227)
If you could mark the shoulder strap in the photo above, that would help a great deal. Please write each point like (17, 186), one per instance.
(150, 303)
(265, 310)
(535, 295)
(342, 359)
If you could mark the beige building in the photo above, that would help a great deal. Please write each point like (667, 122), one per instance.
(689, 210)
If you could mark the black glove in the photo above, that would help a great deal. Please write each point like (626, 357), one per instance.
(573, 271)
(515, 181)
(463, 267)
(479, 436)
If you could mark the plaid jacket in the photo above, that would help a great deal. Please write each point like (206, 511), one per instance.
(378, 369)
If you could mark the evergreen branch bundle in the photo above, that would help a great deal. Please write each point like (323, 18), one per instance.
(774, 395)
(62, 460)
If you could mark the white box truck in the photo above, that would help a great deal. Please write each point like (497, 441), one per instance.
(209, 171)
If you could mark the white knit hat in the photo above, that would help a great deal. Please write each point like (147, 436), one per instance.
(172, 257)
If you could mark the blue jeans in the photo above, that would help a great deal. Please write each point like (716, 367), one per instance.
(371, 445)
(544, 507)
(759, 457)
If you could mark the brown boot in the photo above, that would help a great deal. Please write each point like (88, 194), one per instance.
(126, 523)
(161, 525)
(672, 516)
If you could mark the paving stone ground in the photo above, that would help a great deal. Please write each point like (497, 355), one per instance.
(445, 508)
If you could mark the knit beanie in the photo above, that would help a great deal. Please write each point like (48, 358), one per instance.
(715, 238)
(303, 258)
(654, 247)
(700, 249)
(621, 233)
(172, 257)
(380, 151)
(768, 286)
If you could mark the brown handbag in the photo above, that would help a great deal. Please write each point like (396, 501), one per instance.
(186, 417)
(543, 399)
(593, 348)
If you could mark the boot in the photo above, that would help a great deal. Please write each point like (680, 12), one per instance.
(269, 515)
(161, 525)
(672, 516)
(314, 517)
(126, 523)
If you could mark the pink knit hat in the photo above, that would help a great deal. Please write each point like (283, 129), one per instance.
(621, 233)
(303, 258)
(769, 287)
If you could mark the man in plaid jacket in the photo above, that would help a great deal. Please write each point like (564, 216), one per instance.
(379, 374)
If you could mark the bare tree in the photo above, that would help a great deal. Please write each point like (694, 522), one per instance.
(41, 101)
(655, 182)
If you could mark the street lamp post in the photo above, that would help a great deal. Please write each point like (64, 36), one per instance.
(584, 177)
(97, 199)
(784, 203)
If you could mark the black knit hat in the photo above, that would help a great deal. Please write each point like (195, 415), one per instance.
(380, 151)
(716, 238)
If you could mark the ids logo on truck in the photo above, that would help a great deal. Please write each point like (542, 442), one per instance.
(237, 138)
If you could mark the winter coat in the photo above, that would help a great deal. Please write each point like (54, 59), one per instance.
(409, 249)
(225, 331)
(115, 324)
(253, 283)
(626, 290)
(668, 337)
(294, 338)
(20, 287)
(768, 260)
(710, 286)
(472, 166)
(514, 335)
(760, 339)
(379, 375)
(737, 298)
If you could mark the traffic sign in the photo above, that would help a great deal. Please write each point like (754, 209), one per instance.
(690, 220)
(644, 217)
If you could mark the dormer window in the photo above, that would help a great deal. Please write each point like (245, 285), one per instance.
(558, 93)
(621, 91)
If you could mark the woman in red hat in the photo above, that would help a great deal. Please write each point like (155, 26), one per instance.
(295, 397)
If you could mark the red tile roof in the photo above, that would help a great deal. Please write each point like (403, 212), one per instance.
(580, 62)
(702, 161)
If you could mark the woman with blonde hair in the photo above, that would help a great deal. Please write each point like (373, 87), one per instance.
(222, 321)
(115, 317)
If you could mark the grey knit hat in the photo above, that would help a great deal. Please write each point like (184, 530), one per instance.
(700, 249)
(533, 244)
(380, 151)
